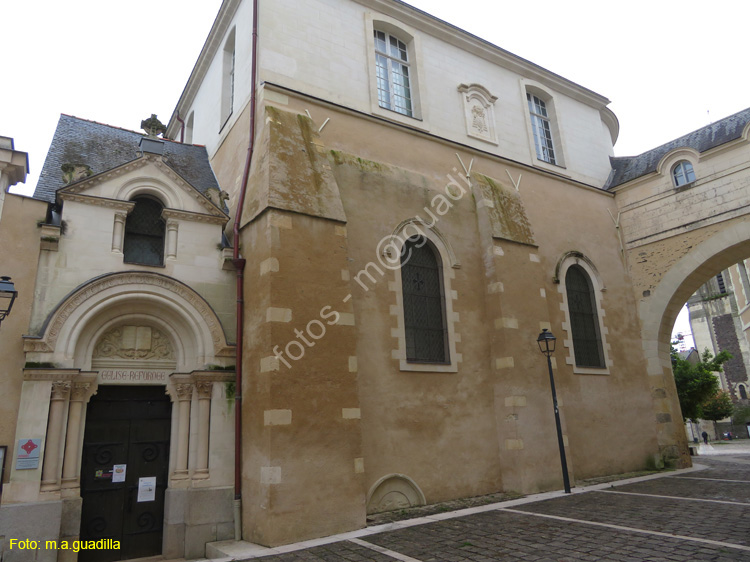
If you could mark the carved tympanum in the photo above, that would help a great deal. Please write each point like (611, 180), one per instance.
(134, 342)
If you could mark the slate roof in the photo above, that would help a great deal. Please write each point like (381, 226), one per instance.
(103, 147)
(728, 129)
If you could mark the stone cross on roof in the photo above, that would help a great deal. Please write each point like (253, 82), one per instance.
(153, 126)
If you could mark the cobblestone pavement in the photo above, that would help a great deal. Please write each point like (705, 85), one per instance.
(686, 517)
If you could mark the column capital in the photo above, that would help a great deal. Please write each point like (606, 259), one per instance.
(60, 390)
(204, 389)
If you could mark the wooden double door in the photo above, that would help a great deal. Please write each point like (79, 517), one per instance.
(124, 471)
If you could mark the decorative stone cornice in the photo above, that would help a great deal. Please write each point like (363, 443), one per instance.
(195, 217)
(116, 204)
(83, 185)
(213, 376)
(50, 374)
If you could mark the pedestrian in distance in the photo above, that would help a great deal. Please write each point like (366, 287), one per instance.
(705, 437)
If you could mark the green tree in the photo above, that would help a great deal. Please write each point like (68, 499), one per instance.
(696, 382)
(717, 407)
(741, 413)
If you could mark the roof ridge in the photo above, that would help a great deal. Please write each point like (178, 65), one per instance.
(694, 131)
(127, 130)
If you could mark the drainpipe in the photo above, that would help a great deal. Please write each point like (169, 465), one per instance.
(239, 265)
(182, 126)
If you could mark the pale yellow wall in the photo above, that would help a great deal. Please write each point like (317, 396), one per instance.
(19, 253)
(489, 425)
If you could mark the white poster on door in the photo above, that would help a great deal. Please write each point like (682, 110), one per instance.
(147, 489)
(118, 472)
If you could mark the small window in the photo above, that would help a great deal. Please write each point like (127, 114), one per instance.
(584, 319)
(393, 73)
(540, 126)
(144, 233)
(743, 393)
(424, 303)
(683, 173)
(720, 284)
(227, 82)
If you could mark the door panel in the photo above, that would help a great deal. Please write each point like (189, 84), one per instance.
(124, 425)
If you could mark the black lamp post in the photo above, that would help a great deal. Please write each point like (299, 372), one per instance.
(546, 341)
(8, 294)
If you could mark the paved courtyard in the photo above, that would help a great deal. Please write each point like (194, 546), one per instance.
(702, 514)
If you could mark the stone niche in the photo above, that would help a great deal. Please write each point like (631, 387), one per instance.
(392, 492)
(479, 112)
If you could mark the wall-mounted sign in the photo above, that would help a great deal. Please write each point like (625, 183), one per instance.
(133, 376)
(147, 489)
(27, 457)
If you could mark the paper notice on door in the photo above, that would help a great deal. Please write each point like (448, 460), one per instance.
(147, 489)
(118, 472)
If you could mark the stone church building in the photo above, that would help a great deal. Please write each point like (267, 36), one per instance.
(315, 293)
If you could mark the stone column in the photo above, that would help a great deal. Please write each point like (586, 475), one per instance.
(204, 390)
(78, 397)
(117, 232)
(172, 226)
(55, 426)
(184, 395)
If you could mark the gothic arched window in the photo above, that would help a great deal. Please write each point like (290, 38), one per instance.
(424, 303)
(144, 233)
(584, 319)
(743, 392)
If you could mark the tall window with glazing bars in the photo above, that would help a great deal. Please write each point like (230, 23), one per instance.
(540, 125)
(424, 303)
(393, 73)
(584, 319)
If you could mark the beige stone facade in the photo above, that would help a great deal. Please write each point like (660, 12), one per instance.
(499, 168)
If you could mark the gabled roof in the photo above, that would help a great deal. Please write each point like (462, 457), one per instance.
(625, 169)
(103, 147)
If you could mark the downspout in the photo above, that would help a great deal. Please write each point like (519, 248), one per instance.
(239, 265)
(182, 126)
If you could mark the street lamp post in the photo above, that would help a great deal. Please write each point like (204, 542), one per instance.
(8, 295)
(546, 341)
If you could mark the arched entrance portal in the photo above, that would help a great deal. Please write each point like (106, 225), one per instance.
(661, 299)
(139, 434)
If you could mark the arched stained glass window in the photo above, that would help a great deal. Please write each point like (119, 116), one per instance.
(584, 320)
(144, 233)
(424, 303)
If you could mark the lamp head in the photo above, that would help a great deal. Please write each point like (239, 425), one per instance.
(8, 295)
(546, 341)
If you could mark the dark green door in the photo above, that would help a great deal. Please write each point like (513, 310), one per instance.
(125, 425)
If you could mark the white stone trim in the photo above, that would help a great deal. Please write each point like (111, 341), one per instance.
(558, 140)
(576, 258)
(448, 262)
(411, 37)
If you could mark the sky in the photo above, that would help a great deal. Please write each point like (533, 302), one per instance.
(669, 67)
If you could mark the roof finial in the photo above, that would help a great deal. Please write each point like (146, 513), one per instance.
(153, 126)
